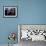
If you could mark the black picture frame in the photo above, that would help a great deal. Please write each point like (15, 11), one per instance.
(10, 11)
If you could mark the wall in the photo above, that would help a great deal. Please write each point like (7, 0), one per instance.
(32, 11)
(29, 12)
(7, 25)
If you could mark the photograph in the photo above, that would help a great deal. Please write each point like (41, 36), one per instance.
(10, 11)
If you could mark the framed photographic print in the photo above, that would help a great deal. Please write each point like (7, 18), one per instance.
(10, 11)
